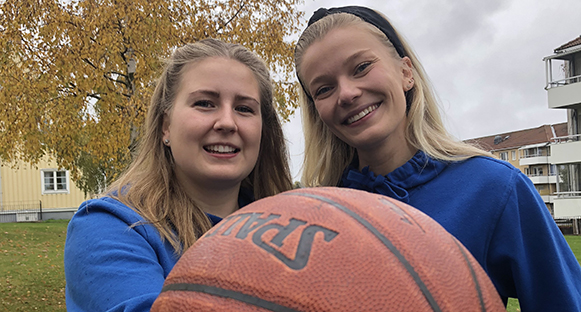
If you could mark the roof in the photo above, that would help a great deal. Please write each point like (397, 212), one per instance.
(572, 43)
(516, 139)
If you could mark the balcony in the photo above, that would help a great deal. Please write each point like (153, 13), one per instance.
(535, 154)
(566, 150)
(563, 83)
(543, 179)
(567, 204)
(534, 159)
(565, 93)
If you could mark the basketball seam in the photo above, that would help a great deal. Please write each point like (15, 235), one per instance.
(226, 293)
(476, 284)
(424, 289)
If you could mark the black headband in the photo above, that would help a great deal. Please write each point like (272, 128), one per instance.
(368, 15)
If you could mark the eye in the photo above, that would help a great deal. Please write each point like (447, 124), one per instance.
(245, 109)
(322, 91)
(203, 103)
(362, 67)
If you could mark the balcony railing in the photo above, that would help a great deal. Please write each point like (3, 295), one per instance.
(563, 82)
(540, 175)
(534, 155)
(566, 139)
(567, 194)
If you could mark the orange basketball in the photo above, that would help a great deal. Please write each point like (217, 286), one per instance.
(328, 249)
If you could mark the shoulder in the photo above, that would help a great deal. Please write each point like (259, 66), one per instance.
(486, 164)
(110, 224)
(104, 207)
(494, 181)
(485, 170)
(106, 216)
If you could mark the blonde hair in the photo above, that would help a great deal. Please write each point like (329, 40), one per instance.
(149, 186)
(326, 156)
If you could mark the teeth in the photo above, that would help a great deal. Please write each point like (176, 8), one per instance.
(364, 113)
(220, 149)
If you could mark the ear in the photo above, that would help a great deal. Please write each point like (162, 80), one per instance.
(165, 127)
(407, 73)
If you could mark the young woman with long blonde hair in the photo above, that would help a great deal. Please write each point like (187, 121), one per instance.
(371, 122)
(212, 143)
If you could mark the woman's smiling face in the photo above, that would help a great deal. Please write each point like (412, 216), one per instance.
(214, 128)
(358, 88)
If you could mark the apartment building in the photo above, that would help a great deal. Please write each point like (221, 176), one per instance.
(563, 76)
(529, 150)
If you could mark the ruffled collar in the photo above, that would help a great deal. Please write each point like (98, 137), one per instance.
(419, 170)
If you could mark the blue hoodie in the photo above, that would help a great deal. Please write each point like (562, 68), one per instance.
(497, 213)
(111, 266)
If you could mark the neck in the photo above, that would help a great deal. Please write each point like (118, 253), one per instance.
(219, 200)
(385, 160)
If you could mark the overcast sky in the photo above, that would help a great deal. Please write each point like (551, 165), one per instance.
(484, 58)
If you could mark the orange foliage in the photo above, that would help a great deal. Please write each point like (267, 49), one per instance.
(65, 89)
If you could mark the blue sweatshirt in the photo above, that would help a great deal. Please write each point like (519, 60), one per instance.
(497, 213)
(110, 266)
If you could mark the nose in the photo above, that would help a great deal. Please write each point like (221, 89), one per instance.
(348, 91)
(226, 120)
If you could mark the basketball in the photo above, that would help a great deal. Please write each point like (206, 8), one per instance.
(327, 249)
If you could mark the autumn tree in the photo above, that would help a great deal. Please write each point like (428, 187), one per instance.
(76, 76)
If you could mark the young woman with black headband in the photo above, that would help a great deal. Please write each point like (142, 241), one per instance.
(371, 122)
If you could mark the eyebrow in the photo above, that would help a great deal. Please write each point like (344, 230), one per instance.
(216, 94)
(347, 61)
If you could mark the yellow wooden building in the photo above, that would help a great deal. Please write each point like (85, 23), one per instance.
(37, 192)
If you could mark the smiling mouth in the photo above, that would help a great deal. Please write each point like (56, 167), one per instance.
(221, 149)
(362, 114)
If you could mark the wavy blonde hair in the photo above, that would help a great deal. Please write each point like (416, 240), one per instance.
(149, 185)
(326, 156)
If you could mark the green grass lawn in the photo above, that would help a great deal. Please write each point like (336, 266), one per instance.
(32, 274)
(31, 266)
(575, 244)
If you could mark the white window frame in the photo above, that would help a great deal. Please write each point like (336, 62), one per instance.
(503, 156)
(67, 189)
(513, 153)
(536, 171)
